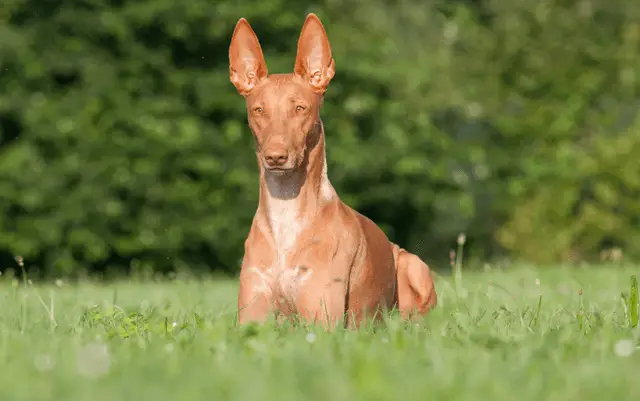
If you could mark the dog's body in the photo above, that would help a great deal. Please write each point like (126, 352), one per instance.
(309, 254)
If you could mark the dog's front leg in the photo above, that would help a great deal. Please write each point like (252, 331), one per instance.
(322, 297)
(254, 296)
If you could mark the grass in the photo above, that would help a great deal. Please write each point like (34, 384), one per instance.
(552, 334)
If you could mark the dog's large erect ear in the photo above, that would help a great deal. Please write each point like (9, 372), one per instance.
(246, 61)
(314, 63)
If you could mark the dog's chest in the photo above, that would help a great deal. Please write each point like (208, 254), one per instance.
(283, 277)
(286, 226)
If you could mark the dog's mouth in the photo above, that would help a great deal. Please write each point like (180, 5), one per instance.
(279, 171)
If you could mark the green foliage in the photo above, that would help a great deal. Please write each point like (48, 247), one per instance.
(123, 144)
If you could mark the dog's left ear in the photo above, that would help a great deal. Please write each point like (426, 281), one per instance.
(314, 63)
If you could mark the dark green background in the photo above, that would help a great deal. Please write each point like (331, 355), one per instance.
(124, 145)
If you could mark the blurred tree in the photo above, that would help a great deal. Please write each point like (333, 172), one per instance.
(123, 144)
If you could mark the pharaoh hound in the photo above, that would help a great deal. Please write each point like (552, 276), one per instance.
(308, 254)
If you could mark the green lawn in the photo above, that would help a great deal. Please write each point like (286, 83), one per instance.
(178, 341)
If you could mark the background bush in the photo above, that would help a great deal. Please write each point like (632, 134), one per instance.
(124, 145)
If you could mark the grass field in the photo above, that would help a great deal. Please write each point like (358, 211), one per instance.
(552, 334)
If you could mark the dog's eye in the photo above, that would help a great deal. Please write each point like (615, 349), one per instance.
(257, 110)
(300, 108)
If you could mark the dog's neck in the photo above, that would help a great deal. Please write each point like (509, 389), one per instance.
(291, 201)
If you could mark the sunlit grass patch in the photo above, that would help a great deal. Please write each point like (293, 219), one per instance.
(527, 334)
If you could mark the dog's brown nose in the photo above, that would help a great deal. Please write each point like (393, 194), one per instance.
(275, 157)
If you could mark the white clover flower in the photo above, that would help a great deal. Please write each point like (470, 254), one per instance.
(624, 348)
(311, 338)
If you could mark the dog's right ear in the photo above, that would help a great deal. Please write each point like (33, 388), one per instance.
(246, 61)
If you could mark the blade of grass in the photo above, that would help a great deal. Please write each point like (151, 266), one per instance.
(534, 321)
(624, 301)
(633, 302)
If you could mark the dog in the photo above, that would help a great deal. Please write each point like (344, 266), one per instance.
(308, 254)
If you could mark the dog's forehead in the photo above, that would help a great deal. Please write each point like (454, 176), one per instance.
(279, 88)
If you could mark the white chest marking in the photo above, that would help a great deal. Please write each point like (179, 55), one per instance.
(285, 225)
(281, 279)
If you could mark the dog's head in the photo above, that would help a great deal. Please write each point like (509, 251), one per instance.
(283, 109)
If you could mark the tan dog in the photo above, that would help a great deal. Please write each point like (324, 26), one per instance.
(308, 254)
